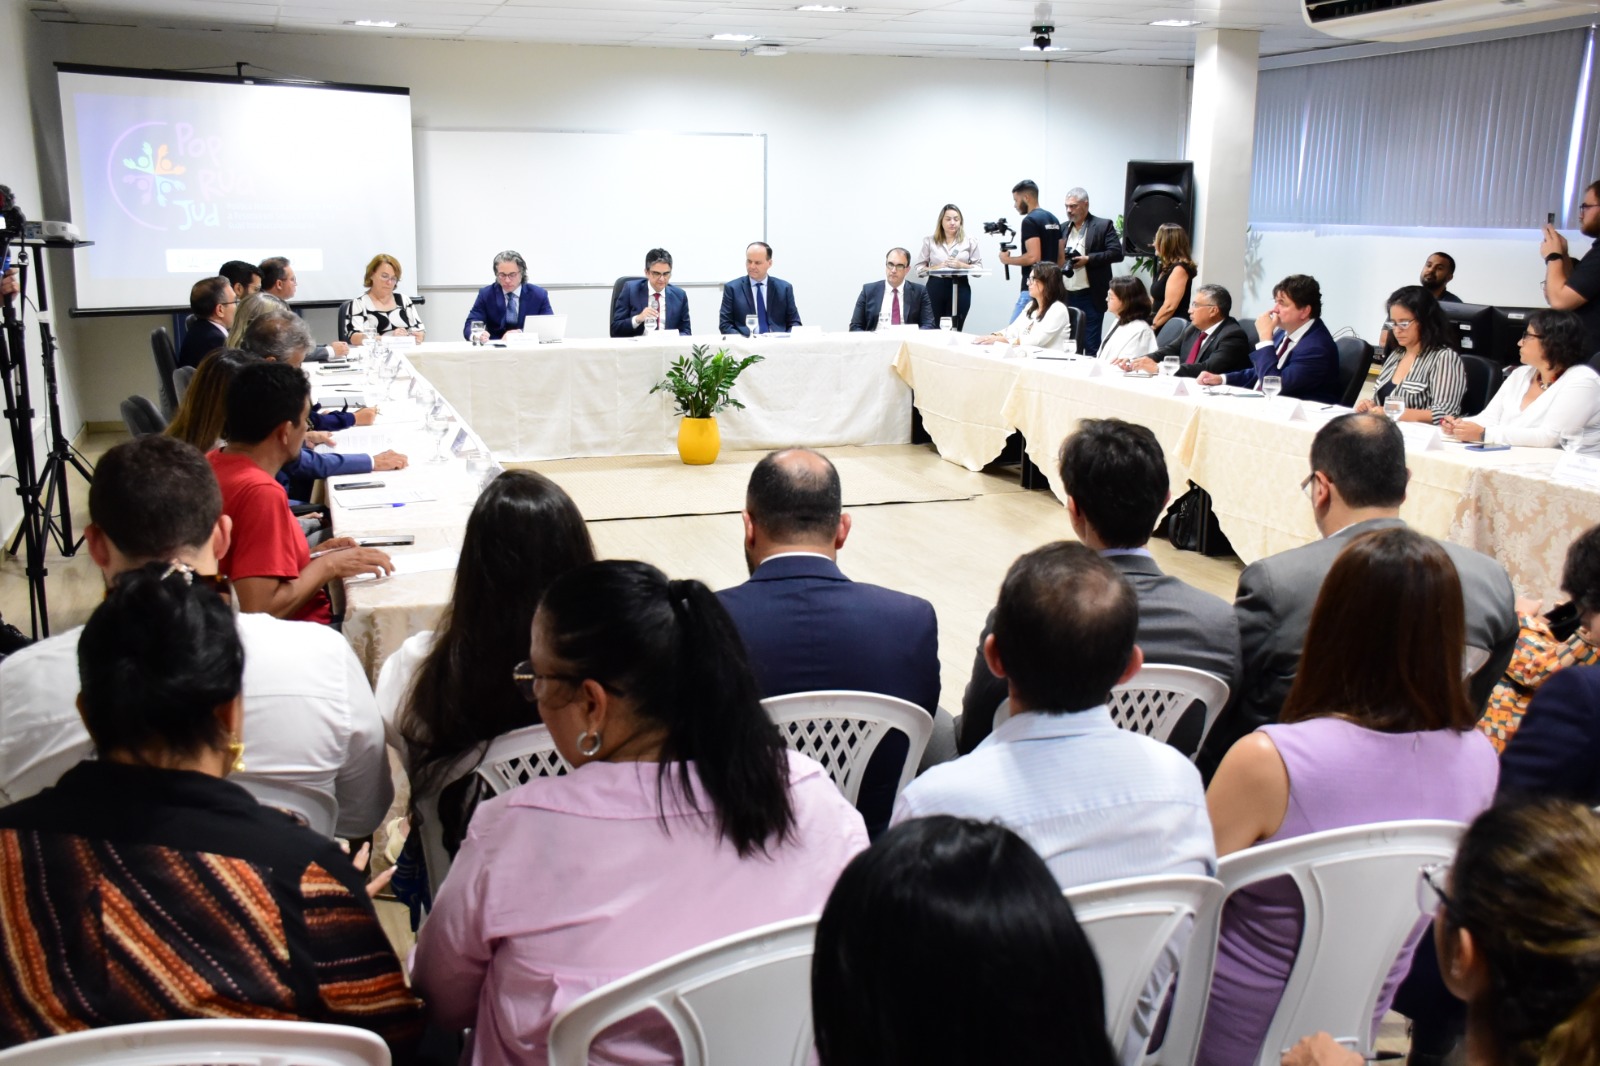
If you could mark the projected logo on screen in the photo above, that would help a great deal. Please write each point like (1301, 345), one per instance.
(145, 183)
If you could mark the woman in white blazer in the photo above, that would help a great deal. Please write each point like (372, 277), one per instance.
(1553, 395)
(1045, 321)
(1131, 338)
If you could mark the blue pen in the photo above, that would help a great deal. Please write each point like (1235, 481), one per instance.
(370, 506)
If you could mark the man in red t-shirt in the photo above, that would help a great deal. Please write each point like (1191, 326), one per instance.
(269, 562)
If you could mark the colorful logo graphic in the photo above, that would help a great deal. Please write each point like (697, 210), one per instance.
(146, 187)
(153, 174)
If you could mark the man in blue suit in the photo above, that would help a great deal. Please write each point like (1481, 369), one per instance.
(650, 303)
(503, 306)
(808, 627)
(771, 300)
(906, 301)
(1295, 346)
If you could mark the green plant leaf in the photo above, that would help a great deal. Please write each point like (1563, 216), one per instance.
(699, 383)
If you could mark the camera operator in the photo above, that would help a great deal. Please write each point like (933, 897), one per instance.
(12, 231)
(1040, 236)
(1089, 247)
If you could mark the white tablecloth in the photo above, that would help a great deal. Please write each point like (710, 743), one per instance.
(592, 397)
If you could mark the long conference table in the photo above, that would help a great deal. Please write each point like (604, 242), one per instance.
(586, 398)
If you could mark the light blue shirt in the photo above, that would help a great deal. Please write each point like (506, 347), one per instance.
(1097, 802)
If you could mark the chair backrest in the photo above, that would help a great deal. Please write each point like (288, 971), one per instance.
(206, 1040)
(1359, 887)
(743, 999)
(1171, 330)
(616, 293)
(1248, 325)
(1153, 700)
(1075, 323)
(1355, 356)
(510, 760)
(141, 416)
(344, 320)
(841, 729)
(180, 382)
(1130, 924)
(1483, 379)
(166, 362)
(319, 809)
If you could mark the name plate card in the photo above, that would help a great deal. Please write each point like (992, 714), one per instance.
(1421, 436)
(1580, 470)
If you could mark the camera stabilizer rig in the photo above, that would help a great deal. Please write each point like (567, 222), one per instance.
(1003, 228)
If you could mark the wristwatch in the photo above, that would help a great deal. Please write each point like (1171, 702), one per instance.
(1553, 256)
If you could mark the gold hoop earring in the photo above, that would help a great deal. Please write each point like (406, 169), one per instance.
(235, 756)
(590, 751)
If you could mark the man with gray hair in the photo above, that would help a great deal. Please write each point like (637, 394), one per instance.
(1088, 248)
(503, 304)
(1213, 342)
(278, 279)
(895, 300)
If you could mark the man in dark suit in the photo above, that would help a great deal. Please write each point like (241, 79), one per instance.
(1556, 749)
(212, 303)
(808, 627)
(651, 303)
(278, 279)
(503, 305)
(1117, 485)
(771, 300)
(1089, 246)
(1357, 484)
(1213, 342)
(1295, 346)
(906, 301)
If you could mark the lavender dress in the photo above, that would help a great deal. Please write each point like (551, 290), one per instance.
(1340, 774)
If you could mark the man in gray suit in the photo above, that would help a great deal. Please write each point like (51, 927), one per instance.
(1117, 485)
(1357, 484)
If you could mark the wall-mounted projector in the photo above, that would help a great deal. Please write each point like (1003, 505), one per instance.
(50, 231)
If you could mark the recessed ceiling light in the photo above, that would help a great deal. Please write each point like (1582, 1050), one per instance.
(769, 50)
(735, 37)
(1178, 23)
(823, 7)
(375, 24)
(1049, 48)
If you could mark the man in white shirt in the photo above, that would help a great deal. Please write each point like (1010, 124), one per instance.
(894, 300)
(313, 736)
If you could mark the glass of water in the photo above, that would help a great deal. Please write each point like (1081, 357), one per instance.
(1169, 366)
(1394, 407)
(1271, 386)
(947, 324)
(1571, 441)
(478, 335)
(752, 324)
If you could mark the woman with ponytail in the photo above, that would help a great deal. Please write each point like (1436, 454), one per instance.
(685, 820)
(1517, 928)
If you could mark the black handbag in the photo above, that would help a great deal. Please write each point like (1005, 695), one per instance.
(1189, 524)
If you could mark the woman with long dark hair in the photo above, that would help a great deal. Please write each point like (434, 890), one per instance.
(1175, 273)
(686, 819)
(1044, 321)
(1423, 371)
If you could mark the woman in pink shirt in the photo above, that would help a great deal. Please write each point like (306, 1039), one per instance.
(686, 820)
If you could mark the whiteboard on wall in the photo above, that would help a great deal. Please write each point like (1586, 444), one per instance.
(583, 207)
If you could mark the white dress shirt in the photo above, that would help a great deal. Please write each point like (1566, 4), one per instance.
(655, 299)
(1128, 340)
(1049, 332)
(886, 309)
(1073, 240)
(310, 722)
(1571, 405)
(394, 681)
(1294, 339)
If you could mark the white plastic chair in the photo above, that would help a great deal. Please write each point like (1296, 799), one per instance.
(319, 809)
(512, 759)
(1153, 700)
(841, 729)
(1130, 922)
(1359, 886)
(206, 1040)
(740, 1000)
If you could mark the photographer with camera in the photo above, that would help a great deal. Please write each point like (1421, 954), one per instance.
(1040, 237)
(1088, 248)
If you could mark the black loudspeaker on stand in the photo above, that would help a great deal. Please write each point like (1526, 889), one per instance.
(1157, 193)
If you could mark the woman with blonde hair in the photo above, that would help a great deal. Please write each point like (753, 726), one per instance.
(949, 249)
(382, 310)
(251, 308)
(1175, 271)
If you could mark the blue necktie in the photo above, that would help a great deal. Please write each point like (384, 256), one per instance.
(513, 317)
(761, 306)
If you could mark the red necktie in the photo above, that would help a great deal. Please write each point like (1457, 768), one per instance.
(1194, 353)
(655, 298)
(894, 314)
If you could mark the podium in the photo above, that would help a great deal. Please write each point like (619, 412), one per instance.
(952, 273)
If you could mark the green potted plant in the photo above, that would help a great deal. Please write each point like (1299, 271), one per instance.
(699, 383)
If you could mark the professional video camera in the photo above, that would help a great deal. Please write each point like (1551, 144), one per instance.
(1003, 228)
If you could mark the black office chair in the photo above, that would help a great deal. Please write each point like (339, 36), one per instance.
(1355, 356)
(1171, 330)
(1483, 379)
(1075, 322)
(180, 381)
(616, 291)
(344, 321)
(1249, 327)
(166, 363)
(141, 416)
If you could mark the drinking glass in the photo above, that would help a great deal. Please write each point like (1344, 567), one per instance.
(439, 455)
(478, 334)
(947, 324)
(1571, 442)
(1394, 407)
(1169, 365)
(753, 324)
(1271, 386)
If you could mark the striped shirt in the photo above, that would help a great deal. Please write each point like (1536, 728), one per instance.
(1437, 381)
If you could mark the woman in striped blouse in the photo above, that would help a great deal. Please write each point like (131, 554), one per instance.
(1423, 371)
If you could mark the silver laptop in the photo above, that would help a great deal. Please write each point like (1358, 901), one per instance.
(548, 328)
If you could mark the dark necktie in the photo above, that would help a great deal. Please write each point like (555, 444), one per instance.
(1194, 353)
(655, 299)
(761, 306)
(513, 310)
(894, 315)
(1283, 347)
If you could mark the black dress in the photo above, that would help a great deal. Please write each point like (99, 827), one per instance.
(1158, 292)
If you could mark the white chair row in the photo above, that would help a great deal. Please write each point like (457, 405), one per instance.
(839, 729)
(1153, 700)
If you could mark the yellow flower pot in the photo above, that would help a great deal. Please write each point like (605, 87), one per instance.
(699, 441)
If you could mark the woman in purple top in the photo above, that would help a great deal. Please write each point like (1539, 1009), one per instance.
(1377, 728)
(685, 820)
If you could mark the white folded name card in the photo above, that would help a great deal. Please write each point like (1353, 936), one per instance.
(1421, 436)
(1580, 470)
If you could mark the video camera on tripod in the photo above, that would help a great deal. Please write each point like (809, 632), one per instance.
(1003, 228)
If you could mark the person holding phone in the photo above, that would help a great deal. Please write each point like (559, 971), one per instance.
(1570, 286)
(1552, 400)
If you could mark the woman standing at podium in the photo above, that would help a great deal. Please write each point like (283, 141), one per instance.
(949, 248)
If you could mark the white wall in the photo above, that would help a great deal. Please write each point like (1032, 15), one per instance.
(1358, 270)
(862, 152)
